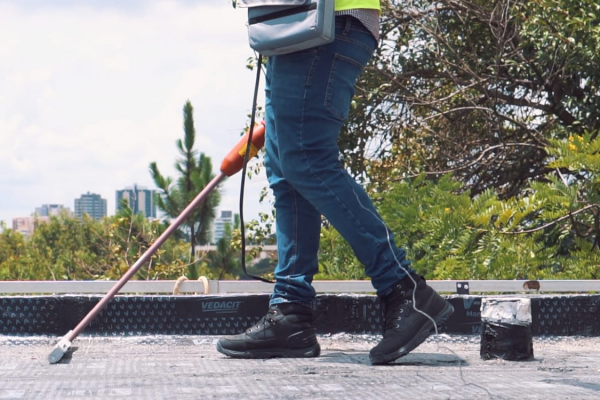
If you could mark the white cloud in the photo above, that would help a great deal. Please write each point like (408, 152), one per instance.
(92, 92)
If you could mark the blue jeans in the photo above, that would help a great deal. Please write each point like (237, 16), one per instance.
(308, 95)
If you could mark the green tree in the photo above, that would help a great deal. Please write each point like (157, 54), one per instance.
(61, 248)
(13, 253)
(224, 263)
(126, 236)
(195, 172)
(476, 88)
(474, 128)
(67, 248)
(551, 231)
(336, 257)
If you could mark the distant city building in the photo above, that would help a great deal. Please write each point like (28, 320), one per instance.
(139, 198)
(91, 204)
(26, 225)
(47, 210)
(219, 225)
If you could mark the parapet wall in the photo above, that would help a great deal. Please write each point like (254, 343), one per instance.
(560, 315)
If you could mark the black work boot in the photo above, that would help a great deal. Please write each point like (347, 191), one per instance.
(405, 328)
(286, 331)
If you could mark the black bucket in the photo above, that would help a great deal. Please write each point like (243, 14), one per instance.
(506, 329)
(506, 342)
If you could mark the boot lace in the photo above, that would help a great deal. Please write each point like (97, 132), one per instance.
(265, 321)
(396, 309)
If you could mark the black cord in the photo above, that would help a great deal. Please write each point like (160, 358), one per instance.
(246, 157)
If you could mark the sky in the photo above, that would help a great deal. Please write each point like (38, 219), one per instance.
(92, 91)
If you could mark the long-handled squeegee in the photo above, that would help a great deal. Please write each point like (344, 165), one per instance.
(231, 164)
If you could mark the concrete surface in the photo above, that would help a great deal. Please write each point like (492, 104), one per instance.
(189, 367)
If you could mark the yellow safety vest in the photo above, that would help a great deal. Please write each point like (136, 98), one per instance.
(352, 4)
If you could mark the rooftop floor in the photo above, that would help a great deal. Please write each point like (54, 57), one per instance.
(189, 367)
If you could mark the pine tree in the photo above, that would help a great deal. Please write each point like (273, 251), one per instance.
(195, 172)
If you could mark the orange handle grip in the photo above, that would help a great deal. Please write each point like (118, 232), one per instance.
(234, 161)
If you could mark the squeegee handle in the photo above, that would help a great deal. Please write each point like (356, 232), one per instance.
(145, 257)
(234, 160)
(232, 163)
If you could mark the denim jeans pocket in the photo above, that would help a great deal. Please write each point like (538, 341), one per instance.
(340, 86)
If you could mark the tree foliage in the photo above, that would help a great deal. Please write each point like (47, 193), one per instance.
(475, 128)
(476, 88)
(67, 248)
(551, 231)
(195, 172)
(224, 263)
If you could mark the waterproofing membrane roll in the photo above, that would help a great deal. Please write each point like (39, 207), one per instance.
(566, 315)
(506, 342)
(229, 314)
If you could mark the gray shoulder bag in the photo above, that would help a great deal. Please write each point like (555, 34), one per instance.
(285, 26)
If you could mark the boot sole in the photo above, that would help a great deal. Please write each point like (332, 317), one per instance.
(426, 331)
(307, 352)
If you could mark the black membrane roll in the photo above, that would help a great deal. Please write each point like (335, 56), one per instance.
(506, 341)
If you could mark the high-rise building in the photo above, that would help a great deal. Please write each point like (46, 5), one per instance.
(139, 198)
(46, 210)
(91, 204)
(219, 225)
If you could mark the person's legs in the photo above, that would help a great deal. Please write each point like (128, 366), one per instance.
(297, 222)
(310, 95)
(287, 329)
(308, 99)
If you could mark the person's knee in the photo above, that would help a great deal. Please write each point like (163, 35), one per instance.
(296, 173)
